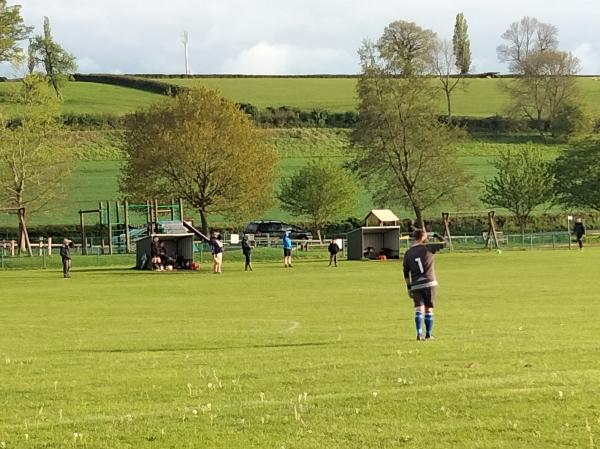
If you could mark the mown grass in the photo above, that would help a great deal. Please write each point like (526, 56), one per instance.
(309, 357)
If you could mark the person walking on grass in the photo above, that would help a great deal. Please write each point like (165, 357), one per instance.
(65, 255)
(287, 249)
(333, 249)
(421, 282)
(247, 251)
(217, 251)
(579, 231)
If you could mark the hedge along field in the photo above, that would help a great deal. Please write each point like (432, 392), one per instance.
(97, 172)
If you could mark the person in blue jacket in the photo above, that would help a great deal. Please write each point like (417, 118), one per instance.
(287, 250)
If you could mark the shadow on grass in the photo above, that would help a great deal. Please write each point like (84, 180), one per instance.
(217, 348)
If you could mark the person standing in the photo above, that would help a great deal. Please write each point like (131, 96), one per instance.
(217, 252)
(155, 251)
(421, 282)
(287, 250)
(579, 231)
(65, 255)
(247, 251)
(333, 249)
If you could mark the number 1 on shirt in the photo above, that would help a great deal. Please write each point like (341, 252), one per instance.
(418, 260)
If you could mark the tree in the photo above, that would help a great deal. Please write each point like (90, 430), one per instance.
(461, 45)
(12, 31)
(402, 152)
(444, 65)
(35, 157)
(203, 148)
(320, 191)
(522, 38)
(407, 47)
(523, 182)
(57, 62)
(577, 175)
(547, 86)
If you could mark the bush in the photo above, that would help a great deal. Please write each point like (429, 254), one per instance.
(570, 120)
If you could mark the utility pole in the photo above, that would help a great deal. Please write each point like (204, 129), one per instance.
(186, 40)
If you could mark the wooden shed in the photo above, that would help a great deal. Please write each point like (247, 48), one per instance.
(373, 241)
(176, 245)
(381, 217)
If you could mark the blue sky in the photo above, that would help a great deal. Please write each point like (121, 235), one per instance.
(286, 36)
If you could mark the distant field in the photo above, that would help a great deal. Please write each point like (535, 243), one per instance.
(86, 98)
(310, 357)
(479, 98)
(96, 180)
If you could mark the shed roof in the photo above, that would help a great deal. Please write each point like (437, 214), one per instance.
(383, 215)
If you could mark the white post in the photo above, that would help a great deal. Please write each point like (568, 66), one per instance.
(569, 219)
(49, 246)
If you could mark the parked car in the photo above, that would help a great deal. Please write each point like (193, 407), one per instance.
(276, 228)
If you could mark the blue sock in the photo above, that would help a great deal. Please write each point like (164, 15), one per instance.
(419, 321)
(428, 324)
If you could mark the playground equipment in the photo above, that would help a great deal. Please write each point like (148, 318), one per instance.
(491, 236)
(119, 221)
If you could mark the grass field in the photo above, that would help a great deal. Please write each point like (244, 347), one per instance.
(479, 98)
(310, 357)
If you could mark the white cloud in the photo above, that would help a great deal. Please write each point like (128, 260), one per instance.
(268, 36)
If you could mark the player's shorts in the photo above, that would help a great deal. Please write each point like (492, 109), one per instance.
(287, 252)
(218, 257)
(424, 297)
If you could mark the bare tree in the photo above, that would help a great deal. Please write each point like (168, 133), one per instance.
(446, 71)
(522, 38)
(547, 86)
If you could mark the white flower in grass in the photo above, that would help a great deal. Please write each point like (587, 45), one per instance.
(375, 394)
(194, 412)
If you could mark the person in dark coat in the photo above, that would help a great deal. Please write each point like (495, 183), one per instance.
(155, 252)
(247, 251)
(65, 255)
(333, 249)
(579, 231)
(217, 251)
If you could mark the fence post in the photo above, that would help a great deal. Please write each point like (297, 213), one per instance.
(49, 246)
(41, 246)
(13, 245)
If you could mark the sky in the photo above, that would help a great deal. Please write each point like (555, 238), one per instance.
(286, 36)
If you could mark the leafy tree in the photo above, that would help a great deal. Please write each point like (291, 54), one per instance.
(320, 191)
(461, 45)
(546, 87)
(523, 182)
(444, 65)
(407, 47)
(401, 150)
(203, 148)
(12, 31)
(57, 62)
(35, 157)
(577, 175)
(523, 38)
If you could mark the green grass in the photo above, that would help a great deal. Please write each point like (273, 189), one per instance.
(479, 98)
(304, 358)
(86, 98)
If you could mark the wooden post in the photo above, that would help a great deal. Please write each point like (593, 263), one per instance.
(126, 212)
(446, 221)
(148, 215)
(13, 246)
(172, 207)
(117, 216)
(83, 239)
(155, 213)
(181, 209)
(491, 230)
(49, 246)
(101, 227)
(41, 247)
(109, 230)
